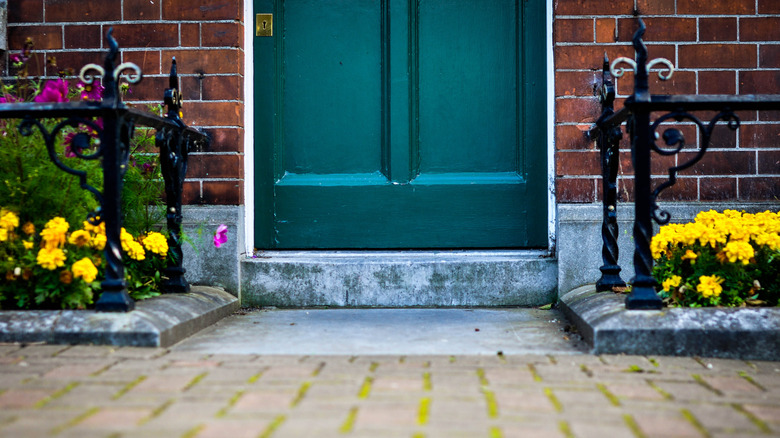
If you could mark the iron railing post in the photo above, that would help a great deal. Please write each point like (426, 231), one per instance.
(173, 148)
(114, 296)
(609, 143)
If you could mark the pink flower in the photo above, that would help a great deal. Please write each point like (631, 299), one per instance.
(53, 91)
(9, 99)
(220, 236)
(93, 91)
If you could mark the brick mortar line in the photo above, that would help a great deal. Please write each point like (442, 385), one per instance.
(114, 22)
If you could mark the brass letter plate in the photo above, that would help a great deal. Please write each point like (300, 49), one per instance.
(264, 24)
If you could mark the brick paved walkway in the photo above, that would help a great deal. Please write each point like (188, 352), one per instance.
(130, 392)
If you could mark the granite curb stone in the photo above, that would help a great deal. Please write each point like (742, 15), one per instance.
(156, 322)
(733, 333)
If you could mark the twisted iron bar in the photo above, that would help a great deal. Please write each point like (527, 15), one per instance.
(609, 142)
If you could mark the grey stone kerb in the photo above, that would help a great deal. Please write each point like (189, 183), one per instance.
(737, 333)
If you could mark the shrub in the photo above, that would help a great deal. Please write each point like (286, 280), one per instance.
(720, 259)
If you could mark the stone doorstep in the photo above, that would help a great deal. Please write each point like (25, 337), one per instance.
(156, 322)
(480, 278)
(733, 333)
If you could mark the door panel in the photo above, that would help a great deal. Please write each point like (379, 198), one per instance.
(400, 124)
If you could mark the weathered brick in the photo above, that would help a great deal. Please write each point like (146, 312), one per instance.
(583, 83)
(25, 11)
(148, 60)
(579, 110)
(768, 7)
(759, 28)
(589, 57)
(175, 10)
(571, 31)
(81, 10)
(223, 88)
(682, 82)
(147, 35)
(721, 163)
(717, 82)
(140, 10)
(659, 29)
(190, 34)
(769, 56)
(77, 59)
(44, 37)
(769, 162)
(191, 193)
(759, 82)
(759, 188)
(717, 56)
(759, 136)
(150, 89)
(83, 37)
(578, 163)
(707, 7)
(717, 29)
(717, 189)
(217, 61)
(606, 30)
(226, 140)
(190, 87)
(214, 114)
(222, 34)
(594, 7)
(214, 166)
(575, 190)
(573, 137)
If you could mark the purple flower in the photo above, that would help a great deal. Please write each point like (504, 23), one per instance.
(93, 91)
(220, 236)
(9, 99)
(53, 91)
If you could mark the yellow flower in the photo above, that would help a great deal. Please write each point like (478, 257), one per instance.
(739, 251)
(672, 282)
(156, 243)
(9, 221)
(27, 244)
(28, 228)
(85, 270)
(51, 258)
(709, 286)
(79, 238)
(53, 233)
(3, 234)
(134, 250)
(98, 241)
(690, 255)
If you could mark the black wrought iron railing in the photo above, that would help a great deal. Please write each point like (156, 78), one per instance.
(173, 138)
(645, 116)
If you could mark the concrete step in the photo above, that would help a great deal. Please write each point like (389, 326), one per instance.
(399, 279)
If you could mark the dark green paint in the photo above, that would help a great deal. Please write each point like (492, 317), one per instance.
(401, 124)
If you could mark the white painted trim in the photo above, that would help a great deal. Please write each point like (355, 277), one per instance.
(550, 67)
(249, 106)
(249, 137)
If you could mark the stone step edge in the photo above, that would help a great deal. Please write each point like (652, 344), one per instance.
(731, 333)
(156, 322)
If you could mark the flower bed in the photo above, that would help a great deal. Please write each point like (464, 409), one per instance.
(720, 259)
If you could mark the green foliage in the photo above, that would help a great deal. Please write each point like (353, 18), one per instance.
(721, 259)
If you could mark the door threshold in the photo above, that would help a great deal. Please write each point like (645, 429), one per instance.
(430, 278)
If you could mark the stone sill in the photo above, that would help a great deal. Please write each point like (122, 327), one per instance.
(734, 333)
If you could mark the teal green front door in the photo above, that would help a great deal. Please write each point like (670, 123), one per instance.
(400, 124)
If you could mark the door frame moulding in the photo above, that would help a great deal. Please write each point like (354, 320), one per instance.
(249, 171)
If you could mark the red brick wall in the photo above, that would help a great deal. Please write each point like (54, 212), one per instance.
(727, 46)
(719, 47)
(205, 36)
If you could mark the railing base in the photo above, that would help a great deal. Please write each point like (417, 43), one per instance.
(176, 283)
